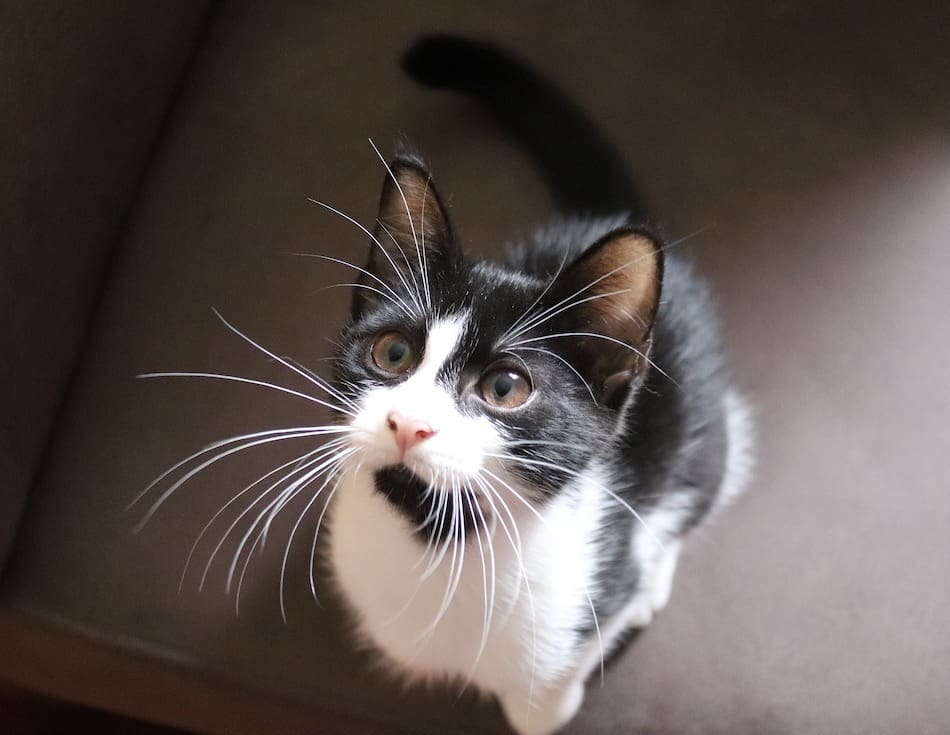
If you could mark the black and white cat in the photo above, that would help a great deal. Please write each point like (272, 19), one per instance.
(519, 447)
(529, 441)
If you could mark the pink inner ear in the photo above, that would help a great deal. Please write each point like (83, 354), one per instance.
(410, 207)
(615, 290)
(626, 270)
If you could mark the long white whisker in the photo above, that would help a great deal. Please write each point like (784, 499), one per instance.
(489, 598)
(281, 501)
(335, 392)
(422, 224)
(593, 283)
(558, 357)
(452, 540)
(507, 335)
(511, 331)
(303, 468)
(250, 381)
(367, 287)
(395, 297)
(456, 532)
(543, 443)
(518, 550)
(599, 336)
(437, 513)
(600, 641)
(293, 532)
(460, 540)
(422, 639)
(316, 533)
(427, 495)
(191, 473)
(417, 294)
(235, 498)
(491, 495)
(270, 354)
(540, 518)
(338, 453)
(548, 314)
(525, 364)
(435, 499)
(534, 461)
(220, 443)
(368, 234)
(412, 226)
(444, 516)
(247, 562)
(234, 524)
(621, 501)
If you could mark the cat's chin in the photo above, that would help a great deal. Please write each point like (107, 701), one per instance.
(399, 478)
(434, 511)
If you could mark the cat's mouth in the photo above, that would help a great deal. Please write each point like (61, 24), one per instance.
(436, 512)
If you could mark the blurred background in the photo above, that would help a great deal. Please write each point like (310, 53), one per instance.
(156, 161)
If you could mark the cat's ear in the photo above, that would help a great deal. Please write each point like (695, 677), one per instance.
(412, 232)
(410, 209)
(609, 297)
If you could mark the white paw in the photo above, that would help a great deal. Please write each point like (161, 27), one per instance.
(639, 612)
(546, 714)
(661, 582)
(655, 589)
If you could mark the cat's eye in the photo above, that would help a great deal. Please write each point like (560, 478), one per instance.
(393, 353)
(505, 388)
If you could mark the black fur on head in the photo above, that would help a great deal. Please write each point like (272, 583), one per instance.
(582, 338)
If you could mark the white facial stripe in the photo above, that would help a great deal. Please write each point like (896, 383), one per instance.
(441, 342)
(459, 443)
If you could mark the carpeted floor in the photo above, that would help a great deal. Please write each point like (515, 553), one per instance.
(22, 713)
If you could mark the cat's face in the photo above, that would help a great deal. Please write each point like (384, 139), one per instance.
(480, 383)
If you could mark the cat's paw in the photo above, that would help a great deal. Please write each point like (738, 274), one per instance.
(662, 582)
(656, 589)
(546, 713)
(639, 612)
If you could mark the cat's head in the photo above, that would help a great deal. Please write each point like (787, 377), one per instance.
(482, 381)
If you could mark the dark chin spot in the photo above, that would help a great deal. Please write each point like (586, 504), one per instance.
(430, 513)
(400, 486)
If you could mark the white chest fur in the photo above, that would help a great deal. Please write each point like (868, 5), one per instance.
(437, 626)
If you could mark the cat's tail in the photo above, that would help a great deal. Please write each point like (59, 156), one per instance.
(583, 170)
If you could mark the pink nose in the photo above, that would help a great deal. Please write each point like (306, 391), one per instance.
(408, 431)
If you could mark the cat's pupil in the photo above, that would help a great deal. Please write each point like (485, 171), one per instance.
(503, 385)
(396, 352)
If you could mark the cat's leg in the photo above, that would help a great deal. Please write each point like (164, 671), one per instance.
(543, 711)
(661, 583)
(551, 708)
(655, 586)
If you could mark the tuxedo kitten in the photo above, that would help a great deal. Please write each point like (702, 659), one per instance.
(519, 447)
(532, 438)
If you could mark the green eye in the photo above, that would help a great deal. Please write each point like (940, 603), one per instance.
(505, 388)
(393, 353)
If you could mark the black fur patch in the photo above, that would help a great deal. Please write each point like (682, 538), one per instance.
(437, 518)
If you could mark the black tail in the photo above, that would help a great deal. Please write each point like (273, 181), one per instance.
(582, 169)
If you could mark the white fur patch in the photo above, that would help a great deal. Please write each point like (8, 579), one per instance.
(740, 436)
(441, 341)
(459, 442)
